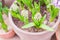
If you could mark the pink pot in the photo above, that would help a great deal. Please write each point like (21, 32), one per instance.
(8, 34)
(45, 35)
(58, 33)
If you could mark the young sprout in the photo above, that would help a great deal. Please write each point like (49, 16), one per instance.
(53, 13)
(52, 10)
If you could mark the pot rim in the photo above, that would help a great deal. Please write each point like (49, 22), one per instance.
(12, 23)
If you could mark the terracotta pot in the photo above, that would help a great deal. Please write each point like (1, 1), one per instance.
(58, 33)
(45, 35)
(11, 32)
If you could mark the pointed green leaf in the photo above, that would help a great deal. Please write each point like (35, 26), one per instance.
(5, 10)
(43, 26)
(28, 25)
(4, 27)
(42, 19)
(1, 18)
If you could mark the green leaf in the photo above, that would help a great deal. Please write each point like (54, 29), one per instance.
(47, 2)
(21, 18)
(18, 0)
(5, 10)
(1, 18)
(4, 27)
(33, 12)
(27, 3)
(35, 9)
(28, 25)
(53, 13)
(42, 19)
(21, 4)
(16, 14)
(0, 6)
(36, 23)
(43, 26)
(41, 2)
(37, 6)
(26, 21)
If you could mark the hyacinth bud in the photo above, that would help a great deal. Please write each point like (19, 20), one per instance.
(24, 13)
(37, 16)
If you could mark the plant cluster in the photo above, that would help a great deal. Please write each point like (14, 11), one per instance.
(34, 8)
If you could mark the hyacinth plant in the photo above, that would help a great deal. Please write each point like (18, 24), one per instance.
(22, 13)
(52, 9)
(3, 10)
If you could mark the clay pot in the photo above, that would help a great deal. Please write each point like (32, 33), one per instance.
(45, 35)
(9, 34)
(58, 33)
